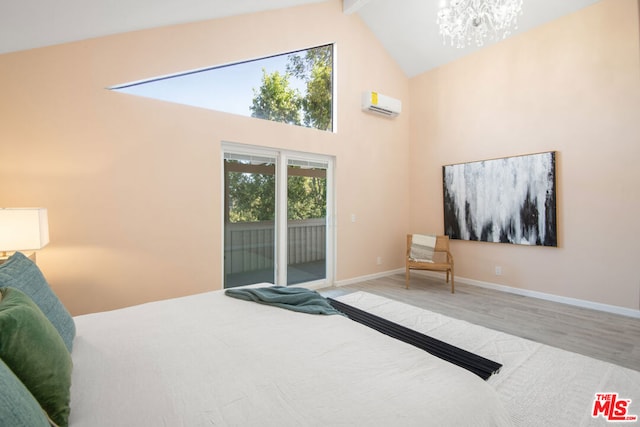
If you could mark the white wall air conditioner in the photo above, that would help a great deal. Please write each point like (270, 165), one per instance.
(375, 102)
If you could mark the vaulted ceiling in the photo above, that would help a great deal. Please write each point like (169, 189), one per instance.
(405, 27)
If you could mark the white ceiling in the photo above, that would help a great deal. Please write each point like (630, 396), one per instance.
(408, 30)
(405, 27)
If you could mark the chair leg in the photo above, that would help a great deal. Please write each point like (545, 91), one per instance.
(406, 278)
(452, 285)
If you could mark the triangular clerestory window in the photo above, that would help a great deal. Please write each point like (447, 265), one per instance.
(294, 88)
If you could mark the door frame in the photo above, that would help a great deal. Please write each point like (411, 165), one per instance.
(281, 227)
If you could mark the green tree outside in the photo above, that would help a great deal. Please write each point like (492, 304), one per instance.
(275, 100)
(307, 197)
(252, 197)
(315, 68)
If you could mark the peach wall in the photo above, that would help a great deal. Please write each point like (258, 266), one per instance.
(133, 185)
(573, 86)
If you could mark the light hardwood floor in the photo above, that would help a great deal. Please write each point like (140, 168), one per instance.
(609, 337)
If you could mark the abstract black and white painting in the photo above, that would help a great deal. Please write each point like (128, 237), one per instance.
(508, 200)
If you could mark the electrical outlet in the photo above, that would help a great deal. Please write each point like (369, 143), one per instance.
(498, 270)
(379, 260)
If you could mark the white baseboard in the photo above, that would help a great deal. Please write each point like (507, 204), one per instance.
(346, 282)
(614, 309)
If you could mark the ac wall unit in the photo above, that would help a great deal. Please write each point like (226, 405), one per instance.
(375, 102)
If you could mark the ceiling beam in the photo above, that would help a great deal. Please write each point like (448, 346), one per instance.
(352, 6)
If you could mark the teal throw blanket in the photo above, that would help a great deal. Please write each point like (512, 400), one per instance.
(292, 298)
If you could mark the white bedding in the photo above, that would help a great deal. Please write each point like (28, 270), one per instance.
(211, 360)
(539, 385)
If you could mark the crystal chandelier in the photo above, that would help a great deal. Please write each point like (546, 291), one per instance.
(463, 22)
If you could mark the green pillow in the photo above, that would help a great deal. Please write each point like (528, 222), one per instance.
(21, 273)
(32, 348)
(17, 406)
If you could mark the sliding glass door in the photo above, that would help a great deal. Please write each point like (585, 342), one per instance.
(306, 220)
(249, 219)
(277, 217)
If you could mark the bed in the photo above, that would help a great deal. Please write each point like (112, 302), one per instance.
(212, 360)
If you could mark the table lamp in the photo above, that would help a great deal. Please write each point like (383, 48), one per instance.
(23, 229)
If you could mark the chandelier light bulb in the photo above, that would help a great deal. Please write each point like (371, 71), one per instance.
(465, 22)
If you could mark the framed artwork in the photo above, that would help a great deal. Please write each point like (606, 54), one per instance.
(508, 200)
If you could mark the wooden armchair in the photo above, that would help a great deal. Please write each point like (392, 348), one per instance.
(440, 260)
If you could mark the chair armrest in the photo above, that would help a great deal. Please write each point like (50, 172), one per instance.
(449, 257)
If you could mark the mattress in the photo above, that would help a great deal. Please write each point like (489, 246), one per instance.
(211, 360)
(539, 385)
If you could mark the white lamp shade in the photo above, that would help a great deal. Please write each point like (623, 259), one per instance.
(23, 229)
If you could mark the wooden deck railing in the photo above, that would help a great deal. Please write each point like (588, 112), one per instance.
(250, 245)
